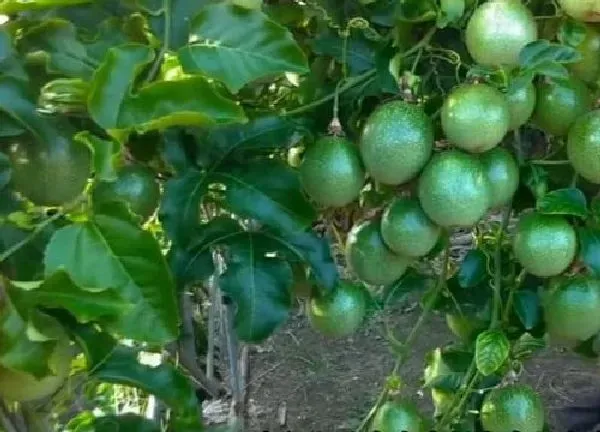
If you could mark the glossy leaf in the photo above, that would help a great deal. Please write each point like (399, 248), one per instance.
(491, 351)
(59, 291)
(5, 170)
(570, 201)
(542, 51)
(410, 282)
(360, 52)
(26, 262)
(589, 244)
(107, 155)
(116, 254)
(526, 346)
(260, 287)
(527, 308)
(8, 7)
(157, 105)
(445, 368)
(119, 364)
(18, 350)
(473, 269)
(237, 45)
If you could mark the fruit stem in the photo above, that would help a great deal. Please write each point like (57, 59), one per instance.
(497, 306)
(511, 294)
(471, 378)
(427, 307)
(549, 162)
(39, 228)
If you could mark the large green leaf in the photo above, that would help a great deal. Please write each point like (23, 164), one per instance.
(110, 251)
(118, 364)
(527, 308)
(359, 54)
(491, 351)
(8, 7)
(191, 101)
(238, 45)
(26, 262)
(10, 63)
(59, 291)
(18, 350)
(542, 51)
(589, 241)
(473, 269)
(260, 287)
(170, 19)
(569, 201)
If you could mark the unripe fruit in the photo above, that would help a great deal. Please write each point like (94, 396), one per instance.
(502, 172)
(512, 408)
(583, 146)
(545, 245)
(396, 143)
(497, 32)
(339, 313)
(453, 189)
(475, 117)
(582, 10)
(407, 230)
(521, 103)
(398, 416)
(559, 103)
(370, 259)
(331, 172)
(588, 68)
(572, 310)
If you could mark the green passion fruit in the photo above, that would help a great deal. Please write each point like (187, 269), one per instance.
(582, 10)
(583, 146)
(396, 142)
(588, 68)
(498, 30)
(407, 230)
(339, 313)
(502, 172)
(512, 408)
(475, 117)
(331, 172)
(454, 190)
(395, 416)
(521, 103)
(545, 245)
(369, 258)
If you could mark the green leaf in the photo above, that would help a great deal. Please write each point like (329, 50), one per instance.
(158, 105)
(551, 70)
(491, 351)
(110, 251)
(360, 52)
(9, 7)
(526, 346)
(10, 62)
(571, 32)
(119, 364)
(18, 350)
(259, 286)
(5, 170)
(237, 45)
(59, 291)
(542, 51)
(170, 19)
(26, 262)
(570, 201)
(527, 308)
(411, 281)
(126, 422)
(416, 10)
(107, 155)
(445, 368)
(473, 269)
(251, 192)
(589, 248)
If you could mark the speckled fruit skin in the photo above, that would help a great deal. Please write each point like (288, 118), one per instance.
(341, 312)
(407, 230)
(17, 386)
(502, 172)
(50, 175)
(588, 68)
(498, 30)
(559, 103)
(521, 103)
(545, 245)
(396, 142)
(572, 310)
(583, 146)
(136, 186)
(398, 416)
(475, 117)
(369, 258)
(453, 189)
(512, 408)
(582, 10)
(331, 172)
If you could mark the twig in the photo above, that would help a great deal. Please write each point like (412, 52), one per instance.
(441, 284)
(215, 302)
(232, 354)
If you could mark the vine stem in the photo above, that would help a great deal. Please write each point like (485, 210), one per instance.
(511, 295)
(441, 283)
(39, 228)
(165, 46)
(549, 162)
(497, 312)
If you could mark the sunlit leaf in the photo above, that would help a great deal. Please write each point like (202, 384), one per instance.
(107, 155)
(491, 351)
(8, 7)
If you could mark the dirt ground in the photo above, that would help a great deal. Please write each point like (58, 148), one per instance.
(326, 385)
